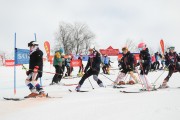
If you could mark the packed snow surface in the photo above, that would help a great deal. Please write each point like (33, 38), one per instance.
(97, 104)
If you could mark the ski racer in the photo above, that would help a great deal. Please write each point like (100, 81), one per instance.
(92, 68)
(172, 60)
(127, 66)
(35, 70)
(145, 65)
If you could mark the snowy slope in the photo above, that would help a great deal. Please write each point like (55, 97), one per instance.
(98, 104)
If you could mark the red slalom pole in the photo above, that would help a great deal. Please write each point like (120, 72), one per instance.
(14, 63)
(40, 71)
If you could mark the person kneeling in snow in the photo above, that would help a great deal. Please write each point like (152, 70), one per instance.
(93, 65)
(35, 70)
(127, 66)
(173, 62)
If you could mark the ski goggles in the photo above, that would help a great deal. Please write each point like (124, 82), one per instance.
(171, 48)
(140, 49)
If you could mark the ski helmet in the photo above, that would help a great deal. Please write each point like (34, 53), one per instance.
(61, 50)
(171, 48)
(131, 82)
(141, 46)
(33, 43)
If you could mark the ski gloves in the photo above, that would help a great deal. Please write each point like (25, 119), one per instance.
(36, 69)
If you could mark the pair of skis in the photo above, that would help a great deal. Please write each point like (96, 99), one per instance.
(46, 97)
(141, 90)
(77, 91)
(20, 99)
(137, 91)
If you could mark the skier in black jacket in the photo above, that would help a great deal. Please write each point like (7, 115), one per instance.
(92, 68)
(127, 66)
(145, 65)
(172, 60)
(35, 70)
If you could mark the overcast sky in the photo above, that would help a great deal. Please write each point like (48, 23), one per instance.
(113, 21)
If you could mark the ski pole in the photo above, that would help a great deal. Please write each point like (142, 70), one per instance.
(139, 77)
(126, 77)
(107, 77)
(23, 67)
(91, 83)
(158, 78)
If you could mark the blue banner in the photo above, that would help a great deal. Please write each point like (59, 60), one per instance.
(85, 57)
(105, 60)
(22, 56)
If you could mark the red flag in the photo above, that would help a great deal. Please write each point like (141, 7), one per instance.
(162, 46)
(76, 63)
(120, 56)
(47, 48)
(50, 59)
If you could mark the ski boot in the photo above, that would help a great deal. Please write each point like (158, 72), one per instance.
(164, 85)
(101, 85)
(149, 88)
(51, 83)
(80, 74)
(32, 95)
(131, 82)
(42, 94)
(114, 84)
(78, 88)
(121, 83)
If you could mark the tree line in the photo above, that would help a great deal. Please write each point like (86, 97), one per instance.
(74, 38)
